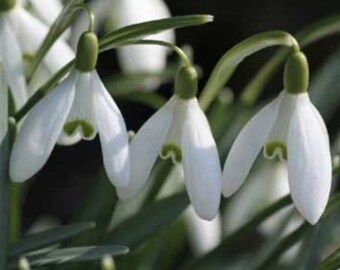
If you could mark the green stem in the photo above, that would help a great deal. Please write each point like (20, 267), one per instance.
(232, 58)
(90, 15)
(244, 231)
(15, 212)
(184, 58)
(4, 177)
(321, 29)
(285, 244)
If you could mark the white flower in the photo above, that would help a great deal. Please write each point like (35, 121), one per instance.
(203, 235)
(181, 131)
(136, 58)
(78, 108)
(28, 34)
(11, 61)
(290, 128)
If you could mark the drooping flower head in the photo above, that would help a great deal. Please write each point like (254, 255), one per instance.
(76, 109)
(179, 130)
(290, 128)
(21, 35)
(137, 58)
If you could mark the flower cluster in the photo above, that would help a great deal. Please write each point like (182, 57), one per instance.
(289, 128)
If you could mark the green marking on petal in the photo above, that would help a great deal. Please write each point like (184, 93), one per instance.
(87, 129)
(275, 148)
(171, 151)
(27, 57)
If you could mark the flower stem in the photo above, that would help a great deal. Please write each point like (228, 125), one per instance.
(319, 30)
(4, 177)
(42, 91)
(184, 58)
(232, 58)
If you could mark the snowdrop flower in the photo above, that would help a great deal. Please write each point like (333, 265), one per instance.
(24, 34)
(289, 128)
(137, 58)
(77, 109)
(179, 130)
(203, 235)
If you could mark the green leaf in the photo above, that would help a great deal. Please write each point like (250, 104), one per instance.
(325, 86)
(137, 229)
(59, 26)
(227, 64)
(321, 29)
(282, 246)
(75, 254)
(240, 235)
(332, 262)
(140, 30)
(48, 238)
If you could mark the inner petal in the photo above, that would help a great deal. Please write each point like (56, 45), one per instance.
(80, 122)
(276, 146)
(173, 141)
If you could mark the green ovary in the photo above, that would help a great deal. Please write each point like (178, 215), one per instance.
(173, 151)
(87, 129)
(275, 148)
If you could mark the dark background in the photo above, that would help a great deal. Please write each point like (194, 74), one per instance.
(64, 182)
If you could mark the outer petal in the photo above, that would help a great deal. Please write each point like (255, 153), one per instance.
(145, 147)
(31, 33)
(12, 60)
(203, 235)
(309, 161)
(40, 131)
(246, 147)
(112, 133)
(201, 164)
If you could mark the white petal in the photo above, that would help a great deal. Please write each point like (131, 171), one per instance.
(80, 123)
(112, 133)
(12, 62)
(203, 235)
(31, 33)
(143, 58)
(246, 148)
(145, 147)
(201, 164)
(40, 131)
(48, 10)
(309, 161)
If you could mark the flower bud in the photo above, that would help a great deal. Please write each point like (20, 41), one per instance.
(296, 74)
(186, 82)
(87, 52)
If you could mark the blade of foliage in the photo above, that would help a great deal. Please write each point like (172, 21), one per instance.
(48, 238)
(140, 30)
(332, 262)
(5, 141)
(59, 26)
(76, 254)
(325, 86)
(282, 246)
(307, 36)
(242, 233)
(137, 229)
